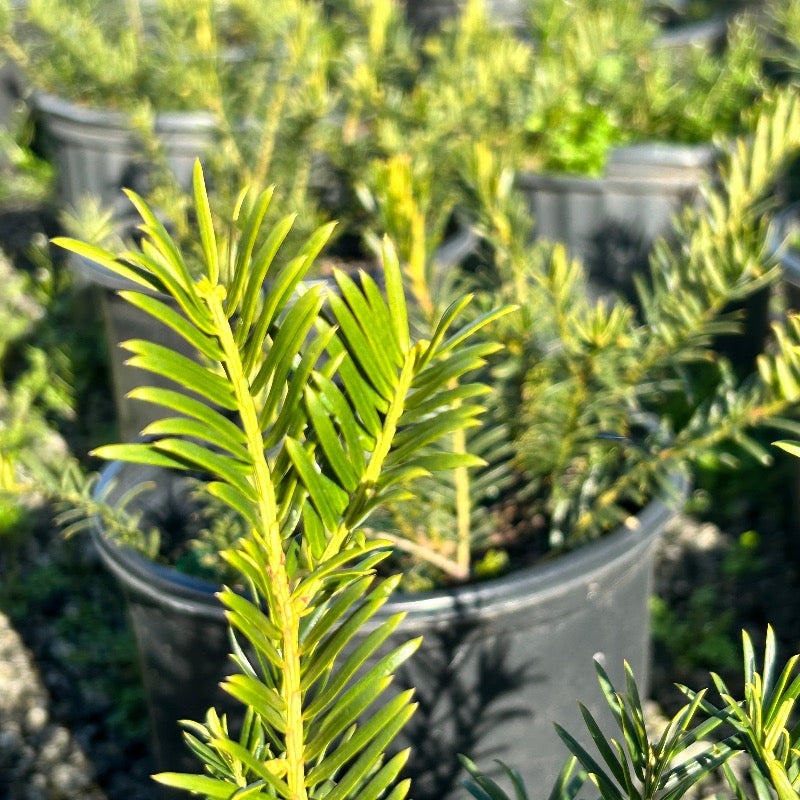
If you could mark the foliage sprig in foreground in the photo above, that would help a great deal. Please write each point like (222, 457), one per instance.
(305, 427)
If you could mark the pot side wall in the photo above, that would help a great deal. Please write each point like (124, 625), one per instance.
(97, 153)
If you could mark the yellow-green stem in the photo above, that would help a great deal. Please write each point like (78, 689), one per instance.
(275, 114)
(382, 446)
(135, 18)
(463, 507)
(446, 565)
(288, 611)
(391, 420)
(7, 480)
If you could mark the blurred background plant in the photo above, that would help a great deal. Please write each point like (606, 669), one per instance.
(26, 176)
(72, 618)
(35, 386)
(570, 452)
(603, 78)
(263, 78)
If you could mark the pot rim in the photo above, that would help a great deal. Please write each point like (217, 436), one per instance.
(604, 185)
(641, 168)
(165, 121)
(787, 256)
(660, 153)
(528, 586)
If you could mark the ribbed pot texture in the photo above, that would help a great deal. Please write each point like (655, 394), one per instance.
(96, 151)
(610, 222)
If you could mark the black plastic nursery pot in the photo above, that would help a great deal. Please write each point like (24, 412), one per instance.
(610, 222)
(501, 660)
(97, 152)
(787, 251)
(427, 16)
(122, 322)
(180, 629)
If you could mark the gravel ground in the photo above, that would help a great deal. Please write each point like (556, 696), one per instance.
(39, 758)
(72, 716)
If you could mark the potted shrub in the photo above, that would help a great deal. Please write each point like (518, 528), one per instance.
(91, 66)
(155, 592)
(283, 368)
(128, 90)
(631, 138)
(133, 93)
(620, 126)
(580, 400)
(575, 378)
(642, 764)
(171, 81)
(606, 145)
(569, 101)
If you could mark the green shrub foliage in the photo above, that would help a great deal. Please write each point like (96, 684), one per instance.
(306, 427)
